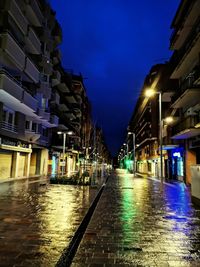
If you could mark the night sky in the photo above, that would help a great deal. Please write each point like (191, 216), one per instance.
(113, 44)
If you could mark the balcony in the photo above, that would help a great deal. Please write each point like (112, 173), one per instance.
(55, 99)
(57, 33)
(31, 70)
(51, 19)
(34, 12)
(188, 13)
(56, 56)
(8, 127)
(63, 108)
(77, 112)
(79, 98)
(186, 128)
(70, 115)
(43, 114)
(29, 101)
(15, 12)
(31, 136)
(71, 99)
(188, 93)
(62, 87)
(44, 63)
(45, 89)
(188, 53)
(44, 34)
(55, 78)
(54, 120)
(11, 52)
(13, 95)
(32, 42)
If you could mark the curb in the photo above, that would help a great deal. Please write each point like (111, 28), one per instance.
(69, 252)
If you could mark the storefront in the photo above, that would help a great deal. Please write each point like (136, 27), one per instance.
(6, 158)
(176, 164)
(14, 158)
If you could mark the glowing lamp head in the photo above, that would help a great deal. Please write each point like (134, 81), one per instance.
(149, 92)
(169, 119)
(70, 133)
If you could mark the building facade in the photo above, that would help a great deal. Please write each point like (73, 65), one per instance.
(38, 97)
(185, 42)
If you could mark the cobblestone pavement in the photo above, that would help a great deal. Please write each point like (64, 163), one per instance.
(139, 223)
(38, 220)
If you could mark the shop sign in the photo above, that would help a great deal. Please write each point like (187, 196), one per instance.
(8, 142)
(177, 154)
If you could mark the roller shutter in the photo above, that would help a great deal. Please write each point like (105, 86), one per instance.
(5, 165)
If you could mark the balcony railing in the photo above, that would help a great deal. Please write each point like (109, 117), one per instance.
(8, 126)
(44, 114)
(56, 77)
(34, 12)
(188, 83)
(186, 123)
(33, 42)
(13, 8)
(54, 120)
(13, 51)
(31, 70)
(189, 43)
(184, 15)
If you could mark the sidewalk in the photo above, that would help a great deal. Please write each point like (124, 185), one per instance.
(38, 220)
(138, 224)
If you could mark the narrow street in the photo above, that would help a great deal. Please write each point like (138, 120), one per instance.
(38, 220)
(139, 223)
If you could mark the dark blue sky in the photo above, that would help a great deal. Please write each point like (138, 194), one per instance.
(114, 43)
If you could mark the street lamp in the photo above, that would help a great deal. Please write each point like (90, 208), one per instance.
(149, 93)
(133, 134)
(64, 144)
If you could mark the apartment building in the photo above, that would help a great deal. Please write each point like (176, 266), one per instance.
(185, 41)
(29, 36)
(145, 125)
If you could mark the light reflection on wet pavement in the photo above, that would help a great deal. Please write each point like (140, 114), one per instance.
(138, 224)
(38, 220)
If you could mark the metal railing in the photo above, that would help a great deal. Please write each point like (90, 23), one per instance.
(8, 126)
(188, 83)
(186, 123)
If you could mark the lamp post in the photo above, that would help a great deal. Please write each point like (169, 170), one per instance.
(64, 144)
(149, 93)
(133, 134)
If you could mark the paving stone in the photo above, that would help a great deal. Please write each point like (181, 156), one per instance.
(35, 225)
(142, 224)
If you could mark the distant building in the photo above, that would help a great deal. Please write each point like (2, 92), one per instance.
(144, 124)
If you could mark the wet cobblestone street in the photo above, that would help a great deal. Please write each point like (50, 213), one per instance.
(38, 220)
(139, 223)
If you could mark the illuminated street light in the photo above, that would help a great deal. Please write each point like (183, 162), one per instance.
(133, 134)
(169, 119)
(149, 93)
(64, 142)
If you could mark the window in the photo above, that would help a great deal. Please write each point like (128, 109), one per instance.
(4, 115)
(45, 132)
(44, 103)
(8, 115)
(27, 125)
(34, 127)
